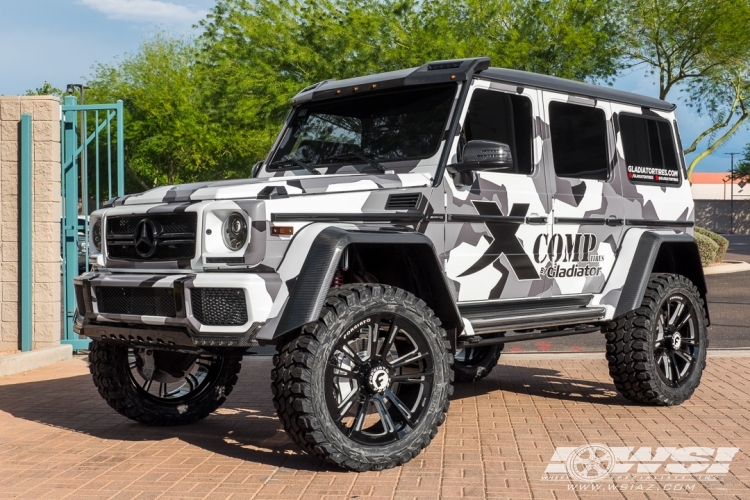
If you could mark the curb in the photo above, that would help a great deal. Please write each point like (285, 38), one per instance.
(561, 355)
(551, 355)
(26, 361)
(732, 266)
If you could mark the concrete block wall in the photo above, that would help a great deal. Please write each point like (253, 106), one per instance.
(716, 215)
(47, 210)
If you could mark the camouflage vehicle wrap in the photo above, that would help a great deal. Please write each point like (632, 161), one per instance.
(496, 252)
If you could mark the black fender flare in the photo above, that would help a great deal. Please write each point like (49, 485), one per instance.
(312, 285)
(649, 258)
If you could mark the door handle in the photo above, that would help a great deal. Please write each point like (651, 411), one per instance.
(614, 221)
(536, 219)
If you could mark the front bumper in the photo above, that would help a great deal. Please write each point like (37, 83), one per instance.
(158, 309)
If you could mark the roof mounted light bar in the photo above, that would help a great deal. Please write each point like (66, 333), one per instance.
(454, 70)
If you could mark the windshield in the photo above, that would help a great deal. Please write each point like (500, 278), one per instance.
(402, 124)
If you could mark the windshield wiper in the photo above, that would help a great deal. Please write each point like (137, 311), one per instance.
(370, 161)
(295, 161)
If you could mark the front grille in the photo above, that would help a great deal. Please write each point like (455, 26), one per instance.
(137, 301)
(219, 306)
(79, 300)
(175, 236)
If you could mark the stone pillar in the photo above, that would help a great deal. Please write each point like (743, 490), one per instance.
(46, 213)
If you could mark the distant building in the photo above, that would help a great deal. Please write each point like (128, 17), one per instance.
(716, 186)
(712, 192)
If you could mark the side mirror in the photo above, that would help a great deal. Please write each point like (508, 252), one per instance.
(256, 169)
(480, 155)
(484, 155)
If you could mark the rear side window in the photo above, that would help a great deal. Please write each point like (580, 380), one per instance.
(579, 141)
(649, 150)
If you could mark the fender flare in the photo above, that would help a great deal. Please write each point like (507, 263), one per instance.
(644, 260)
(308, 294)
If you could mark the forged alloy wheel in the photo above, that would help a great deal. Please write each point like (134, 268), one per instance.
(367, 385)
(657, 353)
(677, 344)
(159, 387)
(379, 379)
(171, 377)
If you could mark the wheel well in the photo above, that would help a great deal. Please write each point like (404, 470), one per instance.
(682, 258)
(414, 268)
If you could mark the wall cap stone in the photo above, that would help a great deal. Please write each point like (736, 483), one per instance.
(25, 361)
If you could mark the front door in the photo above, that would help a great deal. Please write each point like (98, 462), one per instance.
(496, 218)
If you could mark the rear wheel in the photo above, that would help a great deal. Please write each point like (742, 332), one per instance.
(367, 385)
(160, 387)
(657, 352)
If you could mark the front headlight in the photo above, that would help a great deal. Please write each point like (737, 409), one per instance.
(234, 231)
(96, 234)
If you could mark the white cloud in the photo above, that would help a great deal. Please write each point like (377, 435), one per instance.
(146, 11)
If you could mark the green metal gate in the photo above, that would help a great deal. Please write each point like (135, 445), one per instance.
(89, 175)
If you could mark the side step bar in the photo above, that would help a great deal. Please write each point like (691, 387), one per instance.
(529, 336)
(536, 319)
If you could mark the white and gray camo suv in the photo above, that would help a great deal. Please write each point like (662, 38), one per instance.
(403, 228)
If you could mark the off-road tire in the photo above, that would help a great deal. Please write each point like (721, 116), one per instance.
(481, 366)
(108, 364)
(630, 345)
(297, 379)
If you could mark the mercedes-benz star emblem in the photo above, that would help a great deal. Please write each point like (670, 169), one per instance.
(145, 238)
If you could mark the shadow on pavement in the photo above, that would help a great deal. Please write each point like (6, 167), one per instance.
(246, 427)
(542, 382)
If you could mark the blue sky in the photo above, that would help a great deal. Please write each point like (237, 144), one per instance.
(60, 40)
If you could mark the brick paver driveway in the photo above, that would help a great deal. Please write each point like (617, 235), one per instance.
(59, 439)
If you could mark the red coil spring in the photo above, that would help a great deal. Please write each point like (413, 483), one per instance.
(338, 279)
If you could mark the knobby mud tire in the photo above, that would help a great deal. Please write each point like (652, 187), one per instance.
(108, 364)
(298, 395)
(630, 345)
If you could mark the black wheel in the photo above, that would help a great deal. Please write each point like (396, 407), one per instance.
(474, 363)
(657, 353)
(367, 385)
(159, 387)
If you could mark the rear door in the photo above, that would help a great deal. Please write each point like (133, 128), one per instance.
(586, 193)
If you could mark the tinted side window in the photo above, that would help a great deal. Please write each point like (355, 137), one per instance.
(579, 141)
(649, 150)
(501, 117)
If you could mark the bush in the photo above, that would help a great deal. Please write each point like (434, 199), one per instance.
(721, 241)
(707, 248)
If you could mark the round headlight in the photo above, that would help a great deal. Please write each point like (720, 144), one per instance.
(234, 231)
(96, 234)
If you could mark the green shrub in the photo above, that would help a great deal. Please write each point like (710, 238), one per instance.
(721, 241)
(707, 247)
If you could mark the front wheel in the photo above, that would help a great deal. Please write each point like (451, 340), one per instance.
(657, 352)
(160, 387)
(367, 385)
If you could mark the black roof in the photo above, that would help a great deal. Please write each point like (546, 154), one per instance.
(572, 87)
(462, 69)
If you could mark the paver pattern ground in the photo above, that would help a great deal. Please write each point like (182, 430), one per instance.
(58, 439)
